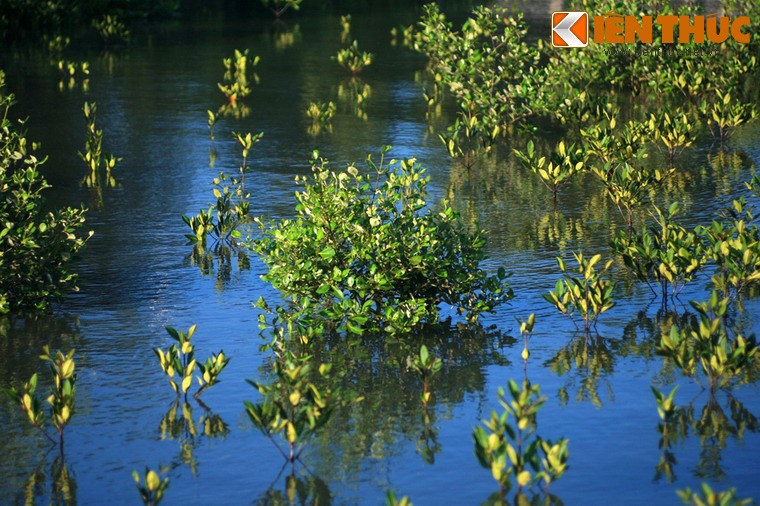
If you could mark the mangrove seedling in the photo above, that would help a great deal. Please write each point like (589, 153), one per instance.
(667, 253)
(292, 405)
(151, 487)
(563, 163)
(96, 160)
(320, 112)
(178, 363)
(628, 186)
(352, 59)
(588, 293)
(223, 219)
(708, 346)
(211, 123)
(246, 142)
(278, 7)
(469, 137)
(726, 113)
(426, 366)
(391, 500)
(511, 449)
(61, 399)
(666, 406)
(710, 497)
(526, 330)
(671, 133)
(366, 252)
(237, 76)
(111, 29)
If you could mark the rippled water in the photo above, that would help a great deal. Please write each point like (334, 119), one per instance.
(136, 277)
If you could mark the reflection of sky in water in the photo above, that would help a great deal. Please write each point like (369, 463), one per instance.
(136, 279)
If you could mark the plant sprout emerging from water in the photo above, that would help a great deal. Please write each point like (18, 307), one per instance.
(61, 399)
(211, 123)
(151, 487)
(246, 142)
(727, 113)
(237, 76)
(671, 133)
(710, 497)
(391, 500)
(320, 112)
(93, 155)
(179, 361)
(708, 346)
(352, 59)
(563, 163)
(511, 450)
(292, 404)
(588, 293)
(526, 329)
(426, 366)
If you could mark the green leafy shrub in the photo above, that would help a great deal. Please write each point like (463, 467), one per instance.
(35, 246)
(238, 75)
(111, 29)
(151, 487)
(352, 59)
(370, 255)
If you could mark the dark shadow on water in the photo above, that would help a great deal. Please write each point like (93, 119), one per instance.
(297, 490)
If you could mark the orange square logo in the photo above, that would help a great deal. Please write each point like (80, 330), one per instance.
(569, 29)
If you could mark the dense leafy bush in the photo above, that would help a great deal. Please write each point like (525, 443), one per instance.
(35, 246)
(366, 251)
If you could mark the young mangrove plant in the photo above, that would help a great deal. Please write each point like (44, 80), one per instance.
(111, 29)
(588, 293)
(37, 245)
(246, 142)
(178, 363)
(292, 405)
(710, 497)
(667, 253)
(61, 399)
(279, 7)
(365, 251)
(733, 244)
(96, 160)
(426, 366)
(69, 72)
(563, 164)
(708, 346)
(212, 116)
(526, 330)
(512, 450)
(726, 113)
(352, 59)
(628, 186)
(391, 500)
(238, 74)
(671, 134)
(151, 487)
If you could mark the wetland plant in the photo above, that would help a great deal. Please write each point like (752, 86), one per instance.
(671, 133)
(587, 292)
(512, 450)
(212, 117)
(61, 399)
(710, 497)
(563, 164)
(726, 113)
(352, 59)
(392, 500)
(279, 7)
(36, 244)
(345, 28)
(151, 487)
(320, 113)
(526, 330)
(426, 366)
(365, 252)
(96, 160)
(178, 363)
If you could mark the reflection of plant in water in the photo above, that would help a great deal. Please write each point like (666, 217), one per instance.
(345, 28)
(426, 366)
(427, 444)
(673, 427)
(592, 359)
(180, 425)
(710, 497)
(355, 92)
(69, 72)
(320, 114)
(284, 39)
(512, 450)
(211, 123)
(298, 490)
(63, 486)
(588, 293)
(151, 487)
(709, 346)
